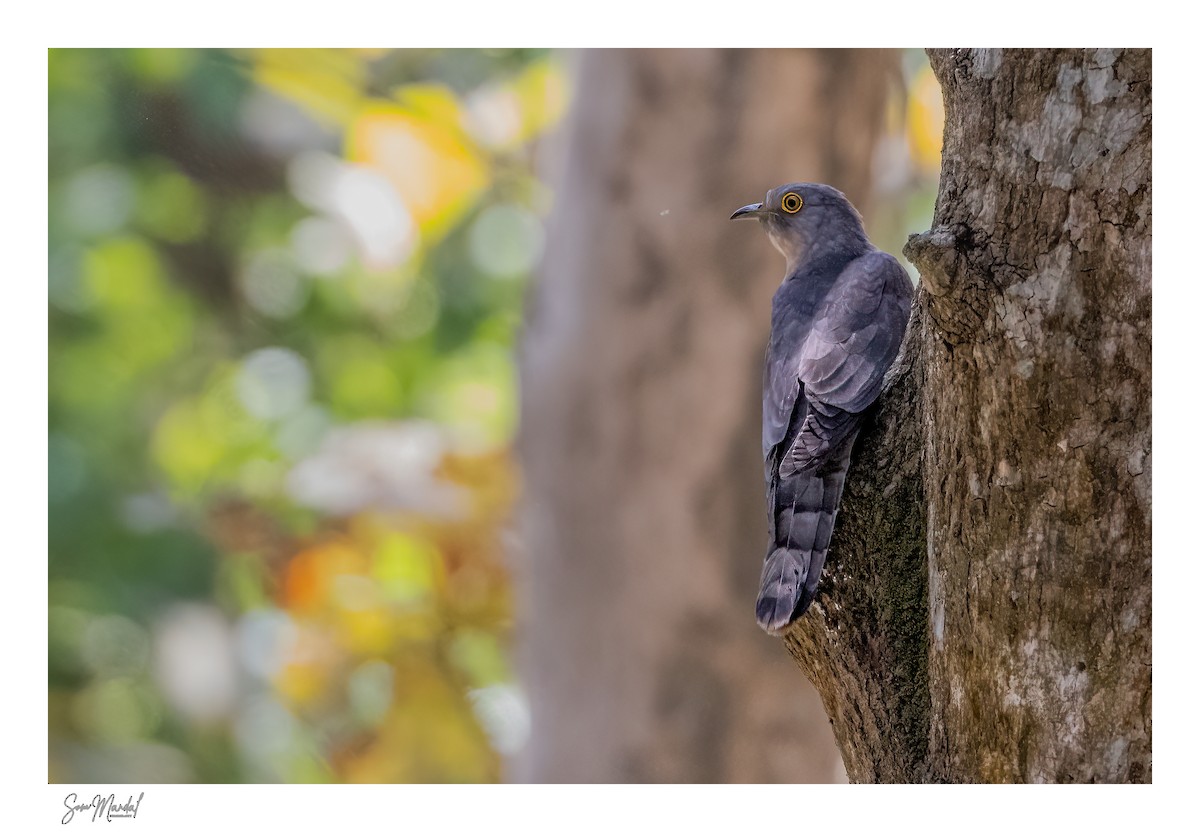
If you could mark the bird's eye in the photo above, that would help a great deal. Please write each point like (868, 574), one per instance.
(792, 203)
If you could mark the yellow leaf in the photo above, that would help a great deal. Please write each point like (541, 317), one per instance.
(326, 82)
(406, 568)
(301, 682)
(367, 631)
(420, 147)
(542, 91)
(926, 118)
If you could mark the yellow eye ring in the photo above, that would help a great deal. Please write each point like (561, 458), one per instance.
(792, 203)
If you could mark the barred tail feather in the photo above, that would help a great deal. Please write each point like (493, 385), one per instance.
(783, 582)
(805, 506)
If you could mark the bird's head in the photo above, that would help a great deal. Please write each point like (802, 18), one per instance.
(806, 219)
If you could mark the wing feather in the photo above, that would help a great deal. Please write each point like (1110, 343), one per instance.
(855, 336)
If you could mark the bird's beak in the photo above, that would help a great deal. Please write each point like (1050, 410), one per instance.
(747, 211)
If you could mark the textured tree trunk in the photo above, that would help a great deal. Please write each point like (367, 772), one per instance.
(987, 611)
(645, 516)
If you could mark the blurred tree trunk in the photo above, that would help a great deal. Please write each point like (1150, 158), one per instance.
(989, 619)
(645, 514)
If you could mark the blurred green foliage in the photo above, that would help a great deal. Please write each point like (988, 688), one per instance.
(284, 288)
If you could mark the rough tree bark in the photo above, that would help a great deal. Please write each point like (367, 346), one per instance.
(645, 515)
(986, 613)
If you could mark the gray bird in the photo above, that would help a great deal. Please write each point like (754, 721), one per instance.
(836, 325)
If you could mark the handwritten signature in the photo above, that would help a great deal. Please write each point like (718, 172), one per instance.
(101, 807)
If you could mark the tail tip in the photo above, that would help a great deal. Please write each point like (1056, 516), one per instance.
(775, 615)
(783, 597)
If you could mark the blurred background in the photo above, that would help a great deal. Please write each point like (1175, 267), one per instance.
(290, 298)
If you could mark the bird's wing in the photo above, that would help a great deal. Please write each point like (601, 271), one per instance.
(781, 388)
(854, 339)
